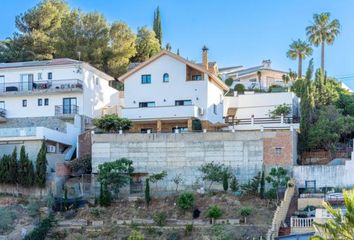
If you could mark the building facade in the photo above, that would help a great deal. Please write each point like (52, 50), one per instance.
(167, 92)
(53, 100)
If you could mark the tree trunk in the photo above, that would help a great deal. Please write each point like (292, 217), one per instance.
(322, 56)
(299, 70)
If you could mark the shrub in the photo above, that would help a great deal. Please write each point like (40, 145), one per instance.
(136, 235)
(239, 88)
(173, 236)
(188, 230)
(160, 219)
(214, 172)
(33, 208)
(96, 212)
(112, 123)
(105, 195)
(214, 212)
(6, 220)
(234, 184)
(40, 231)
(245, 212)
(282, 109)
(185, 200)
(229, 81)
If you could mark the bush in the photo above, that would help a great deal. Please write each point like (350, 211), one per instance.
(173, 236)
(282, 109)
(229, 81)
(40, 231)
(234, 184)
(6, 220)
(245, 212)
(188, 230)
(33, 208)
(136, 235)
(185, 201)
(96, 212)
(239, 88)
(112, 123)
(160, 219)
(214, 212)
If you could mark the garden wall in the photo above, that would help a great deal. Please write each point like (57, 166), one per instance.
(184, 153)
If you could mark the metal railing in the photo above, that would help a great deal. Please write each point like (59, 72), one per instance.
(66, 110)
(255, 121)
(2, 112)
(67, 84)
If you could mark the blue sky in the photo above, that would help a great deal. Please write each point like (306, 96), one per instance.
(236, 32)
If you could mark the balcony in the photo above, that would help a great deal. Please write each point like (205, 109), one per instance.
(2, 115)
(26, 88)
(162, 112)
(66, 111)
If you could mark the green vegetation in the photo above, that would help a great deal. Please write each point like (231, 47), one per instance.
(177, 180)
(51, 29)
(214, 172)
(157, 27)
(229, 82)
(234, 186)
(225, 181)
(115, 175)
(282, 109)
(112, 123)
(185, 201)
(41, 230)
(136, 235)
(338, 226)
(214, 212)
(188, 230)
(147, 192)
(160, 219)
(7, 219)
(41, 166)
(25, 169)
(278, 178)
(239, 88)
(299, 50)
(245, 212)
(252, 186)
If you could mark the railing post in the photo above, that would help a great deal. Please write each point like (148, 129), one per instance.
(282, 118)
(252, 120)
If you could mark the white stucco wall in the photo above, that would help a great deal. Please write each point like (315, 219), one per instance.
(202, 93)
(259, 104)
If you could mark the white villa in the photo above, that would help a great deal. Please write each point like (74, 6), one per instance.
(53, 100)
(167, 92)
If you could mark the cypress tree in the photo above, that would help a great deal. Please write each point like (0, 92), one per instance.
(262, 187)
(177, 51)
(13, 167)
(105, 195)
(147, 192)
(41, 166)
(225, 182)
(26, 172)
(157, 25)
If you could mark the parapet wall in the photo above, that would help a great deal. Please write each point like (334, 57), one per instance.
(184, 153)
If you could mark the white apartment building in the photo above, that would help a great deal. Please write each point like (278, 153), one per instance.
(168, 92)
(52, 100)
(258, 77)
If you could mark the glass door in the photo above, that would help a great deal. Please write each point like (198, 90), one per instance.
(26, 82)
(69, 106)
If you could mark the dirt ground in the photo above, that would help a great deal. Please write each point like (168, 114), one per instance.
(257, 223)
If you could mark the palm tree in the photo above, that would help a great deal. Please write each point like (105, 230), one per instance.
(259, 76)
(299, 50)
(340, 226)
(323, 31)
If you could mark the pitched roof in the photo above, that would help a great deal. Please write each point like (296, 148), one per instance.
(216, 80)
(53, 62)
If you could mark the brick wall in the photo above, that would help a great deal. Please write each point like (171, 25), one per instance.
(278, 148)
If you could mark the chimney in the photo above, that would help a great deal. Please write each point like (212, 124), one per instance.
(205, 57)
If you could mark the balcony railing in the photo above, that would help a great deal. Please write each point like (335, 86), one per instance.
(64, 84)
(296, 222)
(255, 121)
(66, 110)
(163, 112)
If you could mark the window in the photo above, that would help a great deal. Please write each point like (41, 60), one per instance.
(253, 80)
(146, 130)
(145, 79)
(180, 129)
(196, 77)
(40, 101)
(215, 109)
(97, 80)
(24, 103)
(50, 76)
(39, 76)
(278, 151)
(46, 102)
(146, 104)
(69, 106)
(166, 77)
(183, 102)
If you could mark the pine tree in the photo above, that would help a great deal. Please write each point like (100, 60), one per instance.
(41, 166)
(157, 25)
(234, 184)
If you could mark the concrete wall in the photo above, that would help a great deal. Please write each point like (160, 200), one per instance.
(182, 153)
(325, 175)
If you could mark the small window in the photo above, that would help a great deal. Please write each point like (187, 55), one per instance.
(215, 108)
(39, 76)
(183, 102)
(197, 77)
(46, 102)
(146, 104)
(24, 103)
(145, 79)
(40, 101)
(253, 80)
(50, 76)
(166, 77)
(97, 80)
(278, 151)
